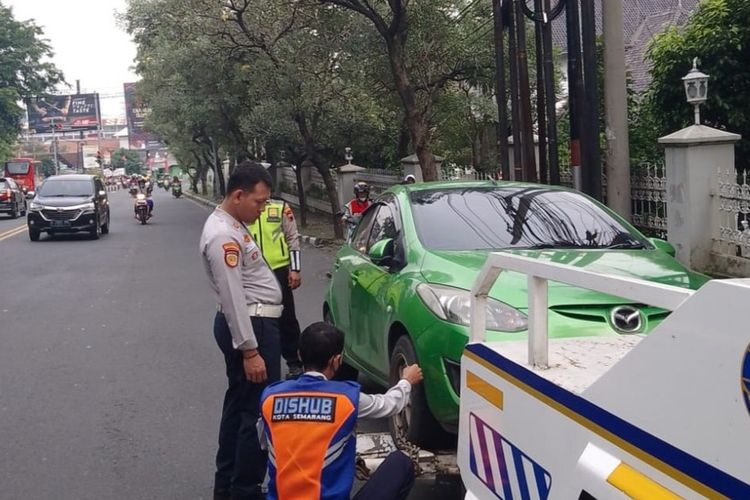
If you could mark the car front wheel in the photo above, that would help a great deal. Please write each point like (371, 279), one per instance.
(415, 422)
(34, 235)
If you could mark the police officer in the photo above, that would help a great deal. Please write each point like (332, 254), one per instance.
(275, 232)
(309, 427)
(245, 327)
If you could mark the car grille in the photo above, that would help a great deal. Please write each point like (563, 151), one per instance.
(60, 215)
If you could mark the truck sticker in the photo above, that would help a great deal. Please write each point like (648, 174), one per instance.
(506, 471)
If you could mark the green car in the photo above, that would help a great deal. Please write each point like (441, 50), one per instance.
(400, 287)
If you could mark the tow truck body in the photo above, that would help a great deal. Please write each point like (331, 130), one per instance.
(660, 416)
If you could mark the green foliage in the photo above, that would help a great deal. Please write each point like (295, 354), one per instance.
(24, 72)
(127, 159)
(718, 34)
(48, 167)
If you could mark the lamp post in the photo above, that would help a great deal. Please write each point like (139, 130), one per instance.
(348, 155)
(696, 89)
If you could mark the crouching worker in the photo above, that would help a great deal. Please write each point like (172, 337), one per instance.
(309, 425)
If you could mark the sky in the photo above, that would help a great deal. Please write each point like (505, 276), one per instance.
(88, 45)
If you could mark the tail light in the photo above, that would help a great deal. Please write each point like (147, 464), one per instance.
(5, 194)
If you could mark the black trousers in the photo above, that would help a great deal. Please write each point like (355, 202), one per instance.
(288, 324)
(393, 479)
(240, 463)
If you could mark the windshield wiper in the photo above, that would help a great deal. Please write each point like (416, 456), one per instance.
(543, 246)
(628, 245)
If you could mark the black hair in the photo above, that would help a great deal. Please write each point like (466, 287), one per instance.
(318, 343)
(247, 175)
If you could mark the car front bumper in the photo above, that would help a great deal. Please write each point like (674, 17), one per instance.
(46, 221)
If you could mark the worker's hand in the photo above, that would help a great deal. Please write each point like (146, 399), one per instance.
(412, 374)
(255, 369)
(295, 280)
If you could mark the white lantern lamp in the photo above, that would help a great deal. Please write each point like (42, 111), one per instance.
(696, 89)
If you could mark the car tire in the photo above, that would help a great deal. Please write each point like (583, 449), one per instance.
(415, 422)
(25, 208)
(345, 371)
(105, 227)
(14, 211)
(97, 231)
(34, 234)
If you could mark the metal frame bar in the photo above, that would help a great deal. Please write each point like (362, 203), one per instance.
(539, 273)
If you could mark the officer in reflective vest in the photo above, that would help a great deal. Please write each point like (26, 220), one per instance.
(308, 426)
(275, 232)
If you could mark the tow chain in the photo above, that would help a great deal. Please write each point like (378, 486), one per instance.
(412, 451)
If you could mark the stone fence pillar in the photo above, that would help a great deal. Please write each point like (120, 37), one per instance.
(694, 156)
(410, 165)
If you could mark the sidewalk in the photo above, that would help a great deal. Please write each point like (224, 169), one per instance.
(318, 232)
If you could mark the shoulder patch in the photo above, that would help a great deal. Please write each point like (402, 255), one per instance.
(231, 254)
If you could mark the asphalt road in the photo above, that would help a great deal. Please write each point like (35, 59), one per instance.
(110, 380)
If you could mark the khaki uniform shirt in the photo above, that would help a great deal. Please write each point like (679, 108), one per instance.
(238, 274)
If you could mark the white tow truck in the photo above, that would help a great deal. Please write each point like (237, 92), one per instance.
(649, 417)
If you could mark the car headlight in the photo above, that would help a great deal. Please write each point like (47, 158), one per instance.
(88, 207)
(140, 197)
(454, 305)
(34, 206)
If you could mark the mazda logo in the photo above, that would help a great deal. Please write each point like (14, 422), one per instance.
(626, 319)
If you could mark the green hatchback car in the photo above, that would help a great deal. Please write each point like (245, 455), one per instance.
(400, 287)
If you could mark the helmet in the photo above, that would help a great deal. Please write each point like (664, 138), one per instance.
(361, 188)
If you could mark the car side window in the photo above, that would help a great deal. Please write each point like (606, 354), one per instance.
(384, 226)
(362, 234)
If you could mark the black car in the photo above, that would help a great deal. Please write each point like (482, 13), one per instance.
(69, 204)
(12, 198)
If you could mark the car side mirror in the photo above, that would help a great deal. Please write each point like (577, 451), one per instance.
(663, 245)
(30, 195)
(382, 252)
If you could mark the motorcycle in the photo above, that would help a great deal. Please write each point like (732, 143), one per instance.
(176, 189)
(141, 208)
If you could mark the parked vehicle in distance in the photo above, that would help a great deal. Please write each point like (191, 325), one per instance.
(69, 204)
(12, 198)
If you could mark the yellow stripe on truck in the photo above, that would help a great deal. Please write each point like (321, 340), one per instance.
(484, 389)
(638, 486)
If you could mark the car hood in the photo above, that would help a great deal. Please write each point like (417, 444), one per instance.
(460, 268)
(62, 201)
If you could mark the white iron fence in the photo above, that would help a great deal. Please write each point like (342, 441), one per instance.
(733, 215)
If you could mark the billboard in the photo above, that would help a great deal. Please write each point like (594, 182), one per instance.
(136, 111)
(63, 113)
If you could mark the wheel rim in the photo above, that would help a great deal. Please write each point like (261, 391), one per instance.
(402, 420)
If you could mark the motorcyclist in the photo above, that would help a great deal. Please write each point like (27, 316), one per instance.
(354, 209)
(146, 190)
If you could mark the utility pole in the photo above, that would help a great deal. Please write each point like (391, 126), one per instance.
(527, 134)
(501, 95)
(591, 153)
(575, 89)
(616, 110)
(80, 133)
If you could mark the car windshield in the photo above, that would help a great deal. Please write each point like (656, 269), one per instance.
(17, 167)
(494, 218)
(72, 188)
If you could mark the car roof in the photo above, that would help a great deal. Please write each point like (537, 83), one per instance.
(451, 185)
(71, 177)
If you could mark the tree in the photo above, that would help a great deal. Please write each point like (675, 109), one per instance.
(718, 34)
(127, 159)
(23, 72)
(427, 44)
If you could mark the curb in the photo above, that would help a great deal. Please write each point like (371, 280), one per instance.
(200, 199)
(313, 240)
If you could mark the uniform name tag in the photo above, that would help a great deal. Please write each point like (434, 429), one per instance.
(303, 408)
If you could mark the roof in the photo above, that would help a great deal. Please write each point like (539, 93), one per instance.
(72, 177)
(642, 20)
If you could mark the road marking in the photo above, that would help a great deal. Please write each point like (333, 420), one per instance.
(13, 232)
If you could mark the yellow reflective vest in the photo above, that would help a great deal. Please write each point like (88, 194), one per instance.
(268, 233)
